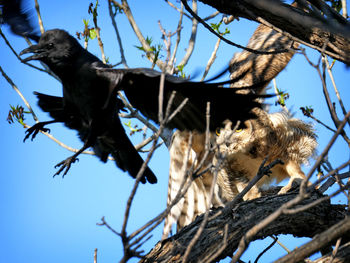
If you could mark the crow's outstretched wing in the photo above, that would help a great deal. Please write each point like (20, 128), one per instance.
(14, 15)
(141, 87)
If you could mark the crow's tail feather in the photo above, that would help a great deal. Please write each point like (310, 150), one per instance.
(116, 142)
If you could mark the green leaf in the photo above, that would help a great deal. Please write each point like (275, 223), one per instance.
(140, 48)
(216, 27)
(86, 22)
(16, 114)
(92, 33)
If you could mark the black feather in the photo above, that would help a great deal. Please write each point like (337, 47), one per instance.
(14, 15)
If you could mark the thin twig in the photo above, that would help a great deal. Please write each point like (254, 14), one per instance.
(317, 242)
(114, 24)
(323, 188)
(98, 36)
(281, 244)
(265, 250)
(19, 58)
(299, 209)
(326, 150)
(263, 170)
(211, 59)
(134, 114)
(345, 9)
(225, 39)
(104, 223)
(318, 121)
(330, 73)
(177, 42)
(330, 105)
(335, 250)
(41, 24)
(95, 255)
(192, 40)
(127, 11)
(188, 16)
(13, 85)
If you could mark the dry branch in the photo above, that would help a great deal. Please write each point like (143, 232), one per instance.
(307, 28)
(318, 242)
(342, 255)
(242, 218)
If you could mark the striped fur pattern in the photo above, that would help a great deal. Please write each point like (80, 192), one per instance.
(261, 68)
(276, 136)
(258, 68)
(195, 201)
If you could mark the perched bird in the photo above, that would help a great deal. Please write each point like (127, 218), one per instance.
(276, 136)
(258, 69)
(90, 103)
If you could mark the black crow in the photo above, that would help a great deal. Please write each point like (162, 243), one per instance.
(90, 103)
(90, 106)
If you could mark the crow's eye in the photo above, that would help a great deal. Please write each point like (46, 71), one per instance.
(50, 45)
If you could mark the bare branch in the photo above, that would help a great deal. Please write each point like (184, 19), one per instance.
(95, 255)
(242, 218)
(178, 37)
(342, 256)
(266, 249)
(126, 8)
(114, 24)
(345, 8)
(193, 13)
(317, 242)
(13, 85)
(41, 24)
(329, 145)
(192, 41)
(304, 27)
(211, 59)
(335, 87)
(19, 58)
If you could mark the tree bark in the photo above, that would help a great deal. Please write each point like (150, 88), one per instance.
(239, 220)
(329, 34)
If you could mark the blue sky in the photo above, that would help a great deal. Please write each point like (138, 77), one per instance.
(47, 219)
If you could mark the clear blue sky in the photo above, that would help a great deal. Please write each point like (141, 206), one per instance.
(45, 219)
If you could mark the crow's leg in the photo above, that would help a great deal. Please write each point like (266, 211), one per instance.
(65, 164)
(34, 130)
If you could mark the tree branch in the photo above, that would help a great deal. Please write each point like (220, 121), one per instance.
(307, 28)
(319, 241)
(242, 218)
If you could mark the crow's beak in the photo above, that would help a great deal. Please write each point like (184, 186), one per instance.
(38, 51)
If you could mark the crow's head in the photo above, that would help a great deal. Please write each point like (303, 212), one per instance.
(56, 48)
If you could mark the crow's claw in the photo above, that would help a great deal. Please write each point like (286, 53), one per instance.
(34, 130)
(65, 165)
